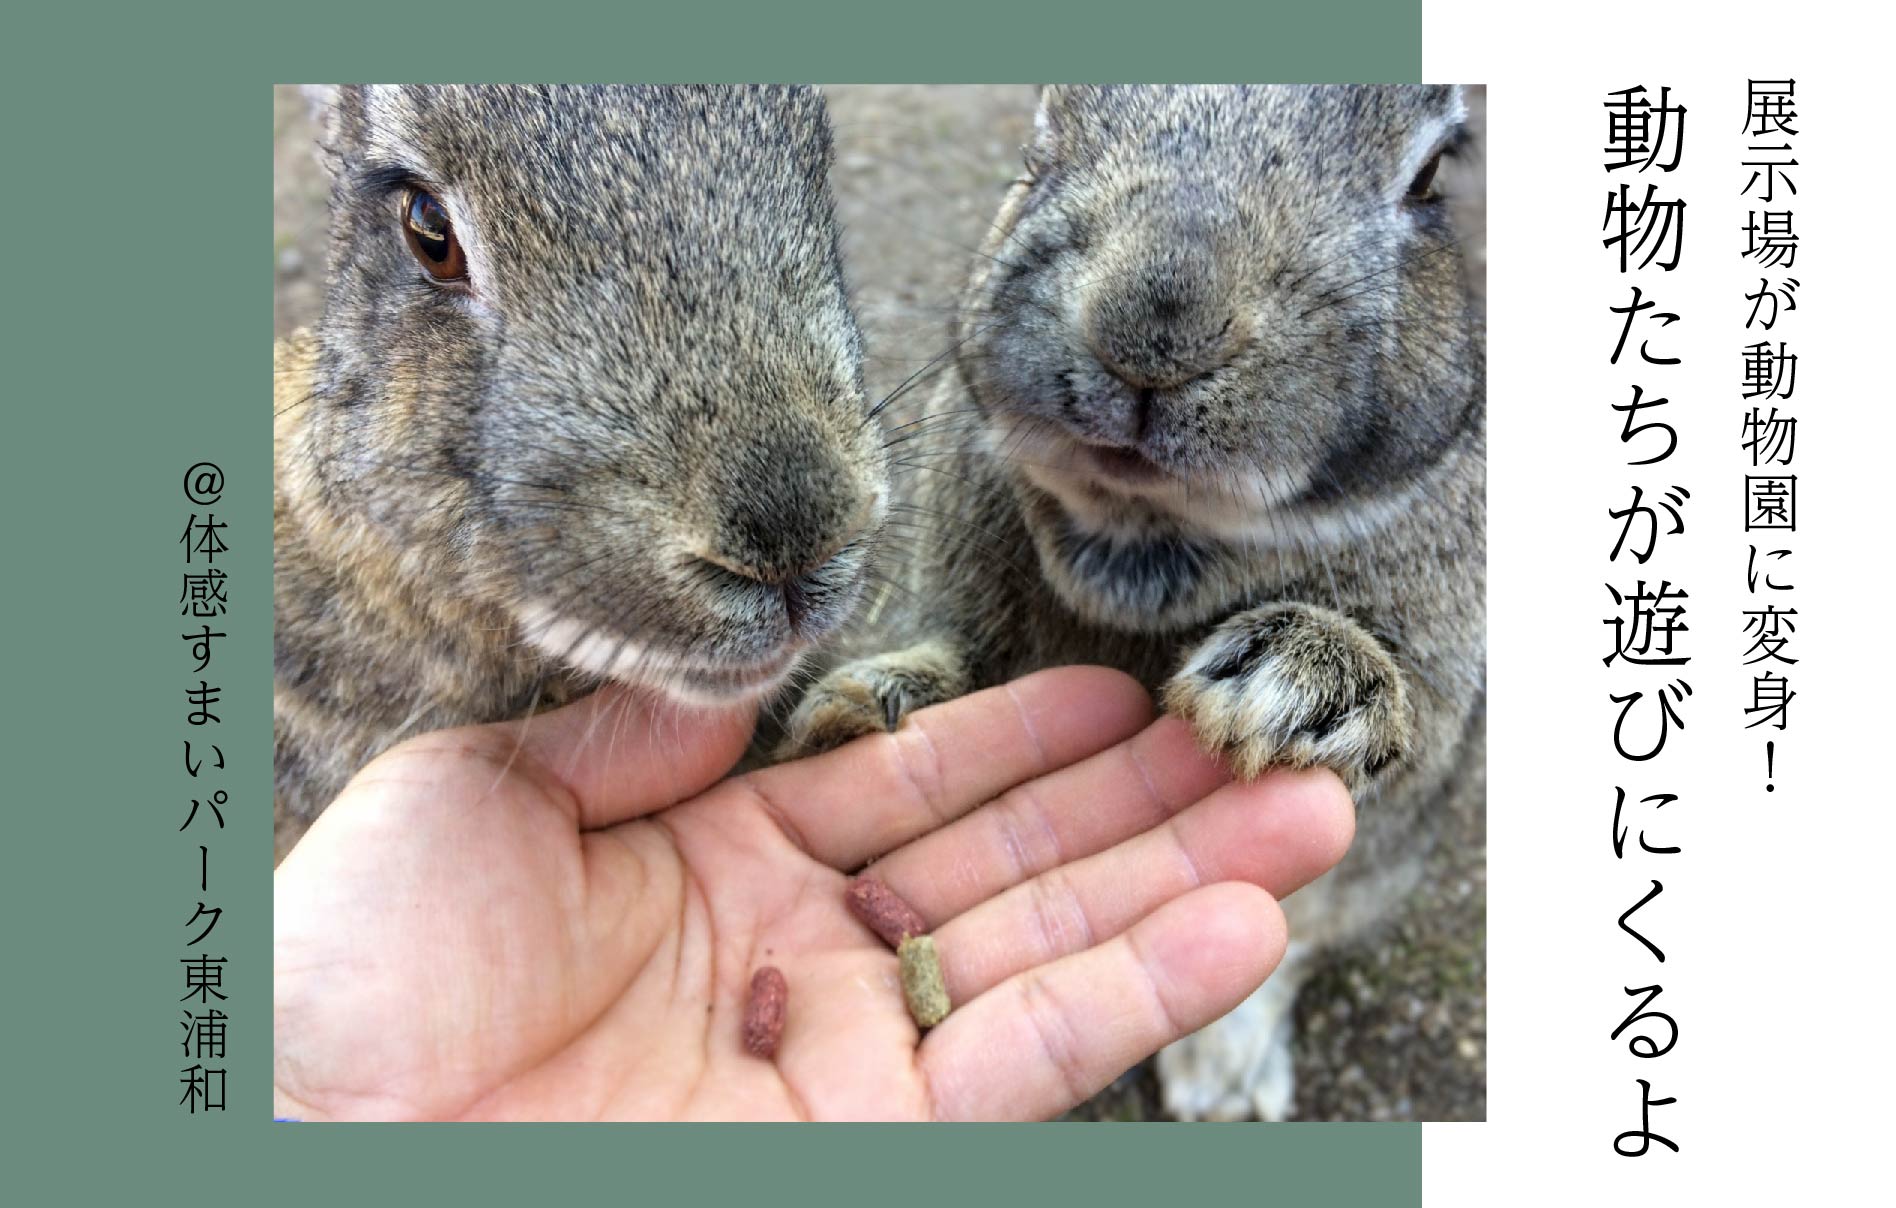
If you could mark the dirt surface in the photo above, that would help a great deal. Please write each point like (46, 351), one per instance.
(1394, 1030)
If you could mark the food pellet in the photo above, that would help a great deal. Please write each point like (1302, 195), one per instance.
(882, 911)
(922, 987)
(764, 1010)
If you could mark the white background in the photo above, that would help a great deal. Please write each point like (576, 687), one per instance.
(1776, 918)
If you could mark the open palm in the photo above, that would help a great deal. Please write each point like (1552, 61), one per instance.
(558, 919)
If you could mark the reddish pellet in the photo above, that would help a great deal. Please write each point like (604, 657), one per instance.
(764, 1011)
(883, 912)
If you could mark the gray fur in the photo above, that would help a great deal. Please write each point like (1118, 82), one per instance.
(634, 444)
(1230, 390)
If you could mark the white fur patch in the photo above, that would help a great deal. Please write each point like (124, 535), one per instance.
(1264, 704)
(1240, 1066)
(1249, 514)
(603, 653)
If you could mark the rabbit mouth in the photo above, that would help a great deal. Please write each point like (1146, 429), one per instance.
(691, 679)
(1087, 474)
(1124, 490)
(1119, 469)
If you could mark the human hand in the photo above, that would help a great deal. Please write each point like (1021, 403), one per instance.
(559, 918)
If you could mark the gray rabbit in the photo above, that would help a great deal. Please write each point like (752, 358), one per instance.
(1227, 384)
(585, 402)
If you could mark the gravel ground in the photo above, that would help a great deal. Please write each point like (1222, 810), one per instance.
(1393, 1030)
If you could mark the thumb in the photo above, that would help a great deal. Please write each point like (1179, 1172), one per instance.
(623, 753)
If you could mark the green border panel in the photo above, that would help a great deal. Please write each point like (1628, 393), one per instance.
(137, 200)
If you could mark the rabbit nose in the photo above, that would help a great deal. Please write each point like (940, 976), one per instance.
(1158, 340)
(1164, 310)
(785, 501)
(1162, 338)
(1162, 332)
(790, 510)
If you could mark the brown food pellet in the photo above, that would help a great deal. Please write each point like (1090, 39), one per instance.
(764, 1011)
(883, 912)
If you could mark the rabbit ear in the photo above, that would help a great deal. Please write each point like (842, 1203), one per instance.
(1058, 117)
(1036, 151)
(1043, 151)
(1054, 101)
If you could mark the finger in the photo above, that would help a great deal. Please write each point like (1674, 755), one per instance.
(1058, 818)
(623, 753)
(880, 792)
(1046, 1039)
(1279, 834)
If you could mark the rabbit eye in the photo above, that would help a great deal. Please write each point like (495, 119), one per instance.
(1419, 188)
(431, 236)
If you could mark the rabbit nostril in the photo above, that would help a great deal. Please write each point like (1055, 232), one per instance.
(755, 578)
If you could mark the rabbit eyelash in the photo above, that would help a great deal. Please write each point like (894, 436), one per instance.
(379, 179)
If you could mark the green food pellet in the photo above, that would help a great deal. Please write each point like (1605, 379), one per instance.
(922, 986)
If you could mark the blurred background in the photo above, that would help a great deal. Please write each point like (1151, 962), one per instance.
(1396, 1030)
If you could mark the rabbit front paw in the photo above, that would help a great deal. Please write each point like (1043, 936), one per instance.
(1297, 685)
(872, 696)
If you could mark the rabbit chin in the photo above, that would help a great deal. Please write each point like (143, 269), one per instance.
(696, 683)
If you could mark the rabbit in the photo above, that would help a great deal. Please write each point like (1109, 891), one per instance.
(585, 403)
(1226, 376)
